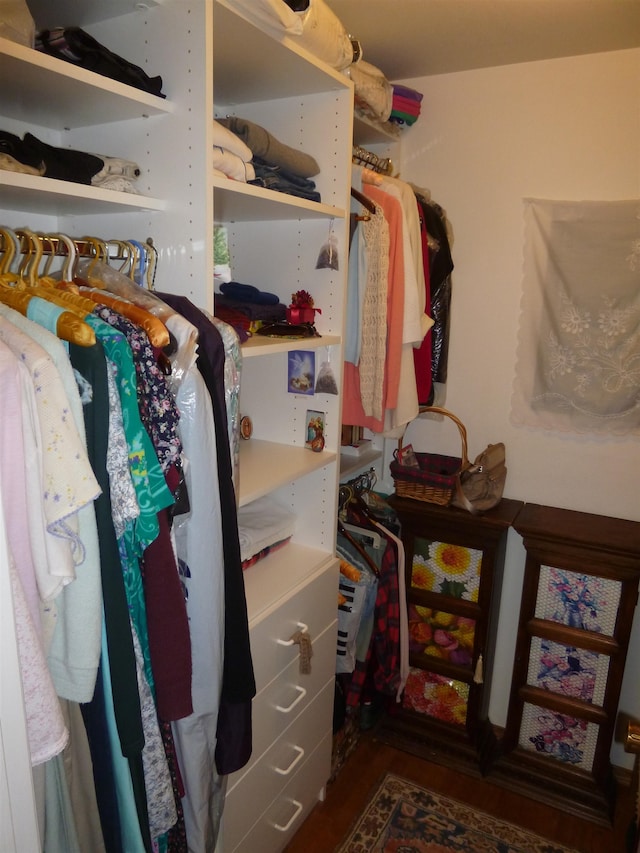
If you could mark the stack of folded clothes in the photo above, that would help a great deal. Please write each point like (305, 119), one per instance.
(406, 105)
(277, 166)
(231, 157)
(30, 155)
(74, 45)
(263, 526)
(244, 306)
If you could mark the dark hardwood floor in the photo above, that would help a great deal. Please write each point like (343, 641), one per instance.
(330, 821)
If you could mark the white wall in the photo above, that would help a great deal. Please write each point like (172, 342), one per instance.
(560, 129)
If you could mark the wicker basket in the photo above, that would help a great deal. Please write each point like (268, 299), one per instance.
(435, 480)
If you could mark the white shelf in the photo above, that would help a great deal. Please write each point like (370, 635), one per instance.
(258, 346)
(286, 69)
(57, 94)
(34, 194)
(275, 576)
(66, 12)
(239, 202)
(369, 132)
(350, 464)
(267, 465)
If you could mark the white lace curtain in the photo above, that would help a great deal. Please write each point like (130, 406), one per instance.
(578, 361)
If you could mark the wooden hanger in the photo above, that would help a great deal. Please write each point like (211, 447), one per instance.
(358, 547)
(365, 202)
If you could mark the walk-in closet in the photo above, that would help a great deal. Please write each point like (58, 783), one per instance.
(280, 281)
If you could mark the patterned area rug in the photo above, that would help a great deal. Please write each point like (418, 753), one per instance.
(403, 818)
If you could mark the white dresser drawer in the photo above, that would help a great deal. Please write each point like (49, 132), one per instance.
(313, 606)
(269, 776)
(287, 696)
(285, 814)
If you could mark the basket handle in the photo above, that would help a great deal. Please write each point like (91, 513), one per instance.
(438, 410)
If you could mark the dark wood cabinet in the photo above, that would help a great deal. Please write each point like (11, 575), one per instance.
(579, 595)
(453, 569)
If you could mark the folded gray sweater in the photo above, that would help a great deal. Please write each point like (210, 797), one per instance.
(264, 145)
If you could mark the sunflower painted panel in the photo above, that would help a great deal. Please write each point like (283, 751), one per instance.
(577, 673)
(436, 696)
(439, 634)
(567, 739)
(451, 570)
(578, 600)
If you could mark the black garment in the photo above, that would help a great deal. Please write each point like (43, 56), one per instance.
(95, 723)
(74, 45)
(440, 269)
(234, 741)
(91, 364)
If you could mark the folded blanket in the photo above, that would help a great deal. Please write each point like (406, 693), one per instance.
(252, 310)
(406, 92)
(224, 138)
(406, 105)
(263, 523)
(324, 35)
(263, 144)
(232, 166)
(372, 90)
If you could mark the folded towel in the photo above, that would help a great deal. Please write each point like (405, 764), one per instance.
(263, 144)
(407, 92)
(225, 138)
(262, 523)
(232, 166)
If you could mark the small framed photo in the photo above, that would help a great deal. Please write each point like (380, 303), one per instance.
(314, 430)
(301, 373)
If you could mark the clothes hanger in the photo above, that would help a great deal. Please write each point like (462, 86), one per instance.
(21, 292)
(365, 532)
(10, 245)
(358, 547)
(365, 202)
(156, 330)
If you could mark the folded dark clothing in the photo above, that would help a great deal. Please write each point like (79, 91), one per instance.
(63, 164)
(74, 45)
(248, 293)
(239, 322)
(253, 310)
(281, 180)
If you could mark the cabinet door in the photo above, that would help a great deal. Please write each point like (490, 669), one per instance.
(579, 593)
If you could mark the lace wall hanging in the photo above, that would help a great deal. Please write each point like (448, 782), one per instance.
(578, 360)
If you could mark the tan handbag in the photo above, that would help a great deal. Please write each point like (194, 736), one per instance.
(480, 486)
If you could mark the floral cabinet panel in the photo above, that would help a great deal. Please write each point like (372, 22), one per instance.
(579, 595)
(453, 566)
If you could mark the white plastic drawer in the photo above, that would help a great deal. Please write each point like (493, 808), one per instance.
(287, 756)
(284, 816)
(287, 697)
(314, 606)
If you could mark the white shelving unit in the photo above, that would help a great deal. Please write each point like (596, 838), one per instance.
(215, 62)
(274, 244)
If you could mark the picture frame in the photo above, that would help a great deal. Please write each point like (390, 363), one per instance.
(301, 372)
(314, 430)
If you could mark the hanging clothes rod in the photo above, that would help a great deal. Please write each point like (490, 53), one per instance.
(86, 247)
(363, 157)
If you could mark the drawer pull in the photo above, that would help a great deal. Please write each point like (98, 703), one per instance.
(301, 627)
(289, 823)
(301, 694)
(300, 754)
